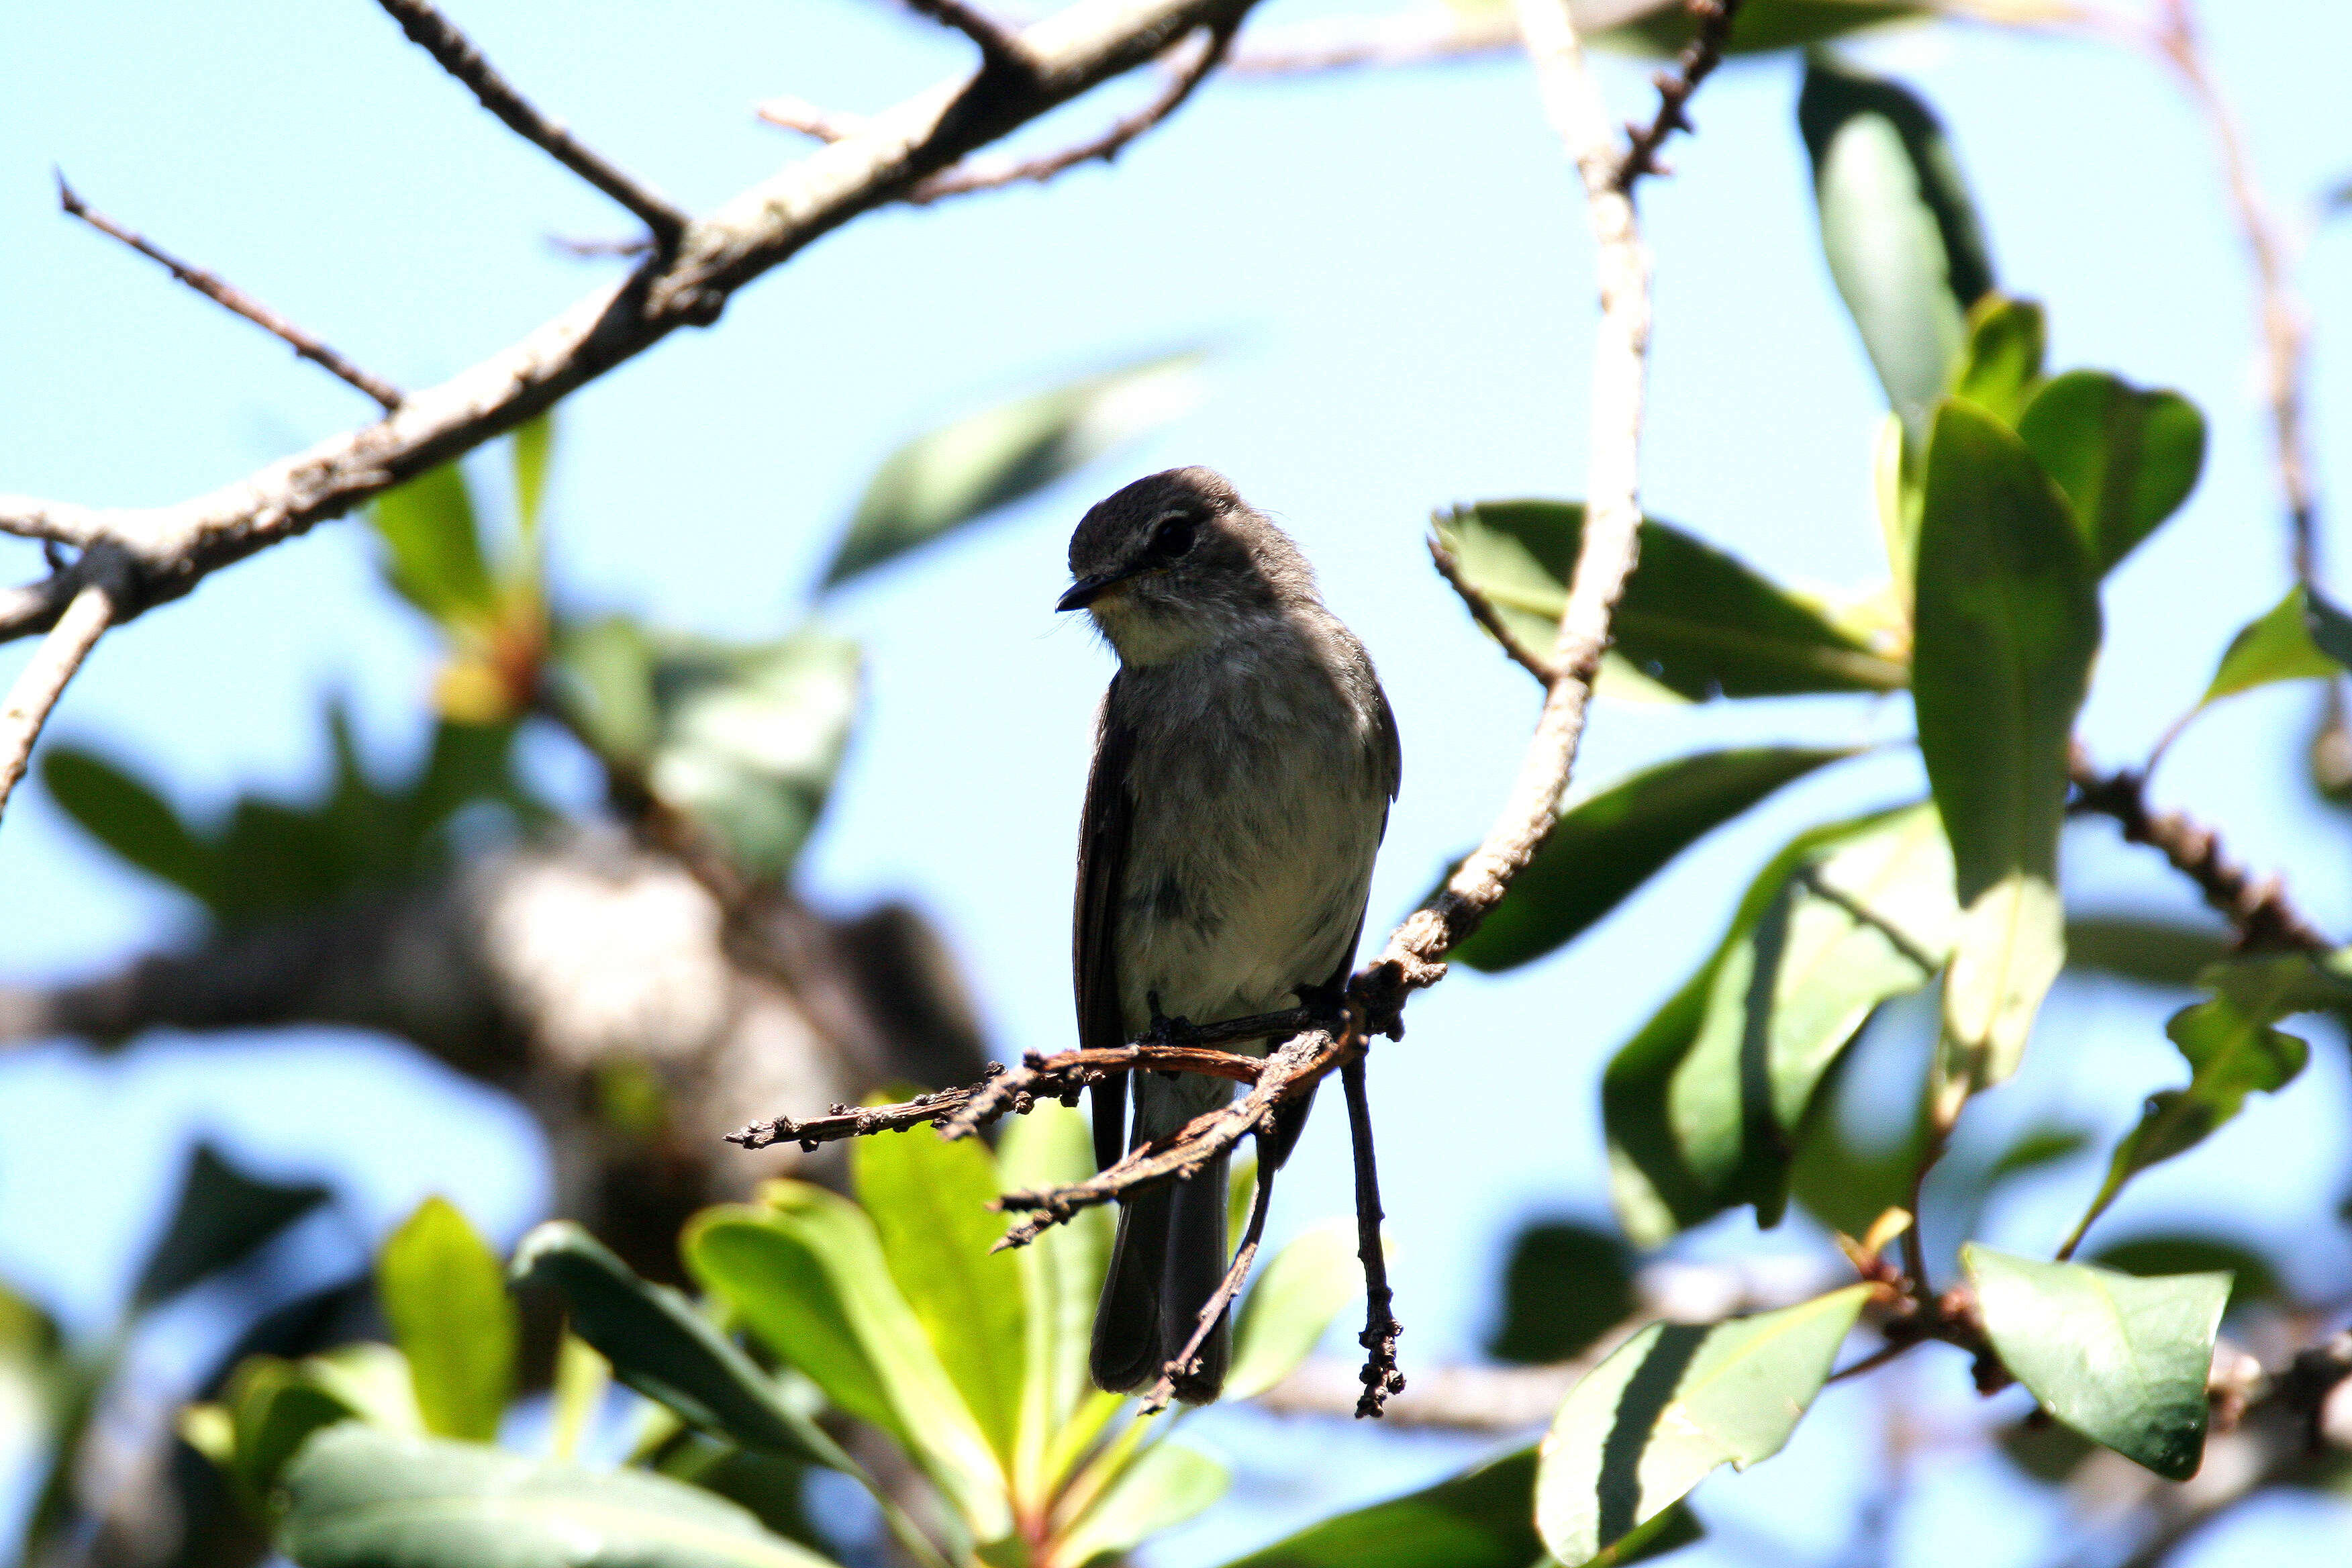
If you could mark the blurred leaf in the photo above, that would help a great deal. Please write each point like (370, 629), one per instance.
(2122, 1361)
(534, 450)
(960, 472)
(434, 548)
(928, 1200)
(2277, 645)
(660, 1346)
(2251, 1276)
(1692, 618)
(2007, 614)
(1671, 1405)
(805, 1272)
(582, 1379)
(273, 1408)
(360, 1498)
(2152, 952)
(222, 1218)
(1760, 25)
(2001, 369)
(2233, 1052)
(1061, 1277)
(2330, 628)
(2035, 1148)
(371, 1378)
(1167, 1485)
(2126, 458)
(1603, 848)
(768, 1485)
(2045, 1450)
(1564, 1286)
(129, 818)
(1703, 1106)
(1484, 1518)
(446, 1298)
(1899, 230)
(1292, 1301)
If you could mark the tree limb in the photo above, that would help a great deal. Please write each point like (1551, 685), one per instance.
(43, 679)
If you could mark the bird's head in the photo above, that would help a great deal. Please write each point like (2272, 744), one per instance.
(1178, 561)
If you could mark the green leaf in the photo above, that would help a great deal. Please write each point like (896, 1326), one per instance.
(534, 450)
(434, 548)
(2251, 1276)
(660, 1346)
(1290, 1304)
(2152, 952)
(2007, 623)
(444, 1297)
(1607, 845)
(805, 1272)
(222, 1218)
(928, 1200)
(1692, 618)
(2330, 628)
(582, 1379)
(361, 1499)
(1170, 1484)
(2126, 458)
(129, 818)
(960, 472)
(1061, 1278)
(1564, 1286)
(1484, 1518)
(1760, 26)
(2233, 1052)
(2122, 1361)
(2002, 367)
(1898, 227)
(1671, 1405)
(1703, 1106)
(2277, 645)
(274, 1407)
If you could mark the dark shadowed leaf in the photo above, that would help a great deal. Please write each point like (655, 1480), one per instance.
(1291, 1302)
(928, 1200)
(2007, 622)
(1702, 1106)
(2001, 369)
(2330, 628)
(1484, 1519)
(1898, 228)
(1671, 1405)
(222, 1218)
(2122, 1361)
(361, 1499)
(444, 1297)
(2152, 952)
(2251, 1276)
(129, 818)
(960, 472)
(2126, 458)
(1760, 25)
(1693, 619)
(1607, 845)
(434, 548)
(1564, 1286)
(1167, 1485)
(273, 1408)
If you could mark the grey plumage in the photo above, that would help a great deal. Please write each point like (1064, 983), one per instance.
(1245, 762)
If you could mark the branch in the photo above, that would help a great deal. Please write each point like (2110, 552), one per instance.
(1186, 1361)
(456, 54)
(1000, 48)
(799, 114)
(1413, 38)
(1381, 1378)
(234, 299)
(1482, 610)
(170, 549)
(975, 175)
(2260, 911)
(1700, 56)
(43, 679)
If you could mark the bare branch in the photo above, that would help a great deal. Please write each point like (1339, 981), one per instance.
(1702, 54)
(588, 245)
(810, 120)
(976, 176)
(58, 521)
(43, 679)
(1000, 46)
(234, 299)
(437, 37)
(1411, 38)
(1379, 1377)
(1482, 610)
(1186, 1360)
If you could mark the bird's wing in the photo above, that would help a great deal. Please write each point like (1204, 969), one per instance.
(1102, 866)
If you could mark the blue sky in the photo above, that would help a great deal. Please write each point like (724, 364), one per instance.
(1394, 269)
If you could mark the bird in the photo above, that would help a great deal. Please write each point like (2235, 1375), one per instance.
(1245, 759)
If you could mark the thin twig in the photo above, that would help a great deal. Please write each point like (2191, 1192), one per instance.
(2260, 913)
(1186, 1360)
(1000, 46)
(1712, 19)
(1482, 610)
(975, 175)
(55, 522)
(1412, 38)
(1381, 1377)
(234, 299)
(810, 120)
(456, 53)
(43, 679)
(585, 246)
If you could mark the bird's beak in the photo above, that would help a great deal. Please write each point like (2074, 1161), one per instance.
(1087, 590)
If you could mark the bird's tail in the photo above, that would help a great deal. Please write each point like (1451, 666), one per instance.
(1166, 1262)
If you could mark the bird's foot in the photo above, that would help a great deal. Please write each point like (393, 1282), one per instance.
(1165, 1031)
(1329, 1002)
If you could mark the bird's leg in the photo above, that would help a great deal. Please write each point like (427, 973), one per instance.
(1165, 1031)
(1329, 1001)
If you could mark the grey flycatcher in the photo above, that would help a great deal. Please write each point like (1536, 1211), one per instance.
(1244, 761)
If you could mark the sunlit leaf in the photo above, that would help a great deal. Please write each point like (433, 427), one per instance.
(1671, 1405)
(1607, 845)
(960, 472)
(444, 1296)
(2007, 615)
(1167, 1485)
(222, 1217)
(272, 1408)
(1292, 1301)
(2127, 458)
(1564, 1286)
(434, 548)
(1898, 227)
(1061, 1278)
(582, 1379)
(361, 1499)
(534, 451)
(2001, 369)
(1702, 1107)
(2122, 1361)
(1693, 619)
(2277, 645)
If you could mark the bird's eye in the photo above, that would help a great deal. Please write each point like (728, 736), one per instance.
(1171, 538)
